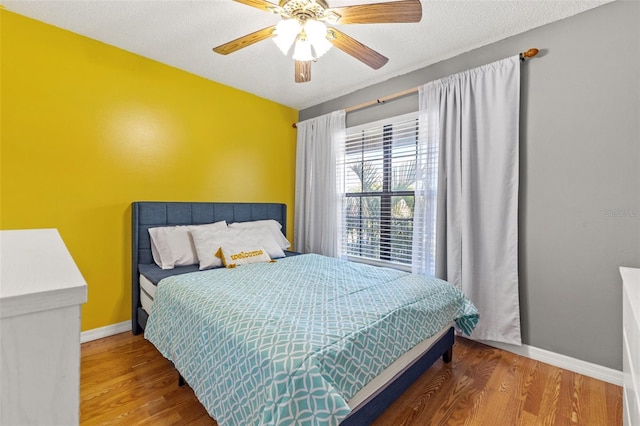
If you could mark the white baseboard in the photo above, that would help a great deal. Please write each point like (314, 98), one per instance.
(106, 331)
(596, 371)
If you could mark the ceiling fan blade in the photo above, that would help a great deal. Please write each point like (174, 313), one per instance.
(356, 49)
(259, 4)
(244, 41)
(380, 13)
(303, 71)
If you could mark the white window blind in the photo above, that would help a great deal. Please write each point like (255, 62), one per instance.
(379, 167)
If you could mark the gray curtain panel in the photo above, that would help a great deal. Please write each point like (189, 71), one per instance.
(471, 121)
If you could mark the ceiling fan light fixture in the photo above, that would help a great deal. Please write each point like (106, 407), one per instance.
(286, 33)
(317, 35)
(305, 35)
(302, 50)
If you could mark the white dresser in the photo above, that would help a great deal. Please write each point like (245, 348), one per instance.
(631, 342)
(41, 292)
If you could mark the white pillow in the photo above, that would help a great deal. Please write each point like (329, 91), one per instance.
(242, 252)
(208, 242)
(272, 225)
(263, 237)
(172, 245)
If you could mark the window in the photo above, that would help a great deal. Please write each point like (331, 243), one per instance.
(379, 167)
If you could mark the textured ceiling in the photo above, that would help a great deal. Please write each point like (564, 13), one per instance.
(181, 33)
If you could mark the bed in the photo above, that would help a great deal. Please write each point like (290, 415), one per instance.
(245, 384)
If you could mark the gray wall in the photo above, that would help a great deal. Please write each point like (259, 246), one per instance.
(580, 171)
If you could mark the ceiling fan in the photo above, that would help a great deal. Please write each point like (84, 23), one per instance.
(304, 26)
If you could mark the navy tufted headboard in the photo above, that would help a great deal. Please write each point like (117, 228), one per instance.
(149, 214)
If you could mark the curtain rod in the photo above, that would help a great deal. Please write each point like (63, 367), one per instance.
(523, 55)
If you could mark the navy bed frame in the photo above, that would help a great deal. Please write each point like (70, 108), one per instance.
(147, 214)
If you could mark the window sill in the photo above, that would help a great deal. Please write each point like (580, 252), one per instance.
(375, 262)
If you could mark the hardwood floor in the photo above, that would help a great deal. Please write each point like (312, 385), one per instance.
(124, 380)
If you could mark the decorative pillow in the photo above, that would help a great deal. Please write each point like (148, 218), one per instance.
(272, 225)
(263, 237)
(172, 245)
(242, 252)
(208, 242)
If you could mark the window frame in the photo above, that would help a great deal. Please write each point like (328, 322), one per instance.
(386, 195)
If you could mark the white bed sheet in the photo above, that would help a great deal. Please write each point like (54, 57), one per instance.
(147, 293)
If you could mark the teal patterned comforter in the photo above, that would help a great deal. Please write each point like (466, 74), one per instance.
(291, 342)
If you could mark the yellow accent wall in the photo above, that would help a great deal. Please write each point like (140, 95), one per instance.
(87, 128)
